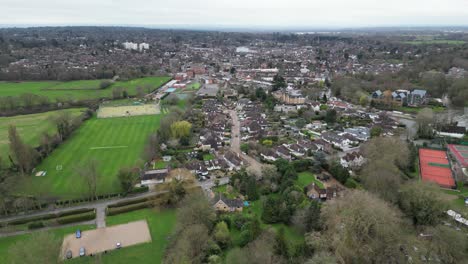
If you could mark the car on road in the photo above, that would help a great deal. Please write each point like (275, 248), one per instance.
(68, 255)
(118, 245)
(82, 252)
(78, 233)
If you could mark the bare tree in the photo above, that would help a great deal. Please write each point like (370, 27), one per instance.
(24, 156)
(361, 228)
(89, 173)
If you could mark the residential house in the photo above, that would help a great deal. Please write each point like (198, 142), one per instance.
(417, 97)
(361, 133)
(234, 160)
(336, 140)
(313, 191)
(223, 204)
(352, 160)
(154, 176)
(283, 152)
(269, 155)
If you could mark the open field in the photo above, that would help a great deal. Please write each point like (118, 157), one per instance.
(129, 110)
(435, 41)
(161, 224)
(30, 127)
(112, 142)
(78, 90)
(193, 86)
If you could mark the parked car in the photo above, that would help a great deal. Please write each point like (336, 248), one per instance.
(68, 255)
(82, 252)
(118, 245)
(78, 233)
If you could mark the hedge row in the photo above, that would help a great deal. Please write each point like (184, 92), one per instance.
(76, 218)
(35, 225)
(136, 190)
(48, 216)
(129, 202)
(74, 212)
(32, 219)
(141, 189)
(128, 208)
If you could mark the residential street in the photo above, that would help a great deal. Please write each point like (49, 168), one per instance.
(255, 165)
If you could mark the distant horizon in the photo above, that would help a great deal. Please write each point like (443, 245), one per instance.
(249, 28)
(257, 15)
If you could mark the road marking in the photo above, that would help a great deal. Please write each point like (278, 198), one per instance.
(108, 147)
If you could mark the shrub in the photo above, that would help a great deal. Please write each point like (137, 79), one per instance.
(35, 225)
(105, 84)
(31, 219)
(76, 218)
(74, 212)
(128, 208)
(351, 183)
(129, 202)
(141, 189)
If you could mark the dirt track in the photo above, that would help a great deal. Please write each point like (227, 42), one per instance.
(102, 239)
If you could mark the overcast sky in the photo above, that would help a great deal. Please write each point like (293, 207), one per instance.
(243, 13)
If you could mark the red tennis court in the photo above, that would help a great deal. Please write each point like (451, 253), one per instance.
(434, 167)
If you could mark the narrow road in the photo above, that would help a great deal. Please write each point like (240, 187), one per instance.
(17, 233)
(254, 164)
(101, 216)
(99, 206)
(96, 205)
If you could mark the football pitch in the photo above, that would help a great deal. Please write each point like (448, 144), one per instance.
(30, 128)
(81, 90)
(112, 142)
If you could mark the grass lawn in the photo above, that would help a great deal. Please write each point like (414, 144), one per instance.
(223, 190)
(84, 89)
(113, 142)
(305, 178)
(208, 157)
(161, 224)
(193, 86)
(159, 165)
(415, 110)
(7, 242)
(30, 128)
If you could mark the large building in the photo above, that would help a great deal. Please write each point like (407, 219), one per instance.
(290, 96)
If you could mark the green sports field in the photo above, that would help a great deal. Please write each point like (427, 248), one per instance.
(112, 142)
(30, 127)
(78, 90)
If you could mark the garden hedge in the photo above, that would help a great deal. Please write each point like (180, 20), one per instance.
(76, 218)
(128, 208)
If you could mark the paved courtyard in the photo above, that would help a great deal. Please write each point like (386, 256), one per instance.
(102, 239)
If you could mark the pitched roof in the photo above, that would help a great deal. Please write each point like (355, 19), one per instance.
(229, 202)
